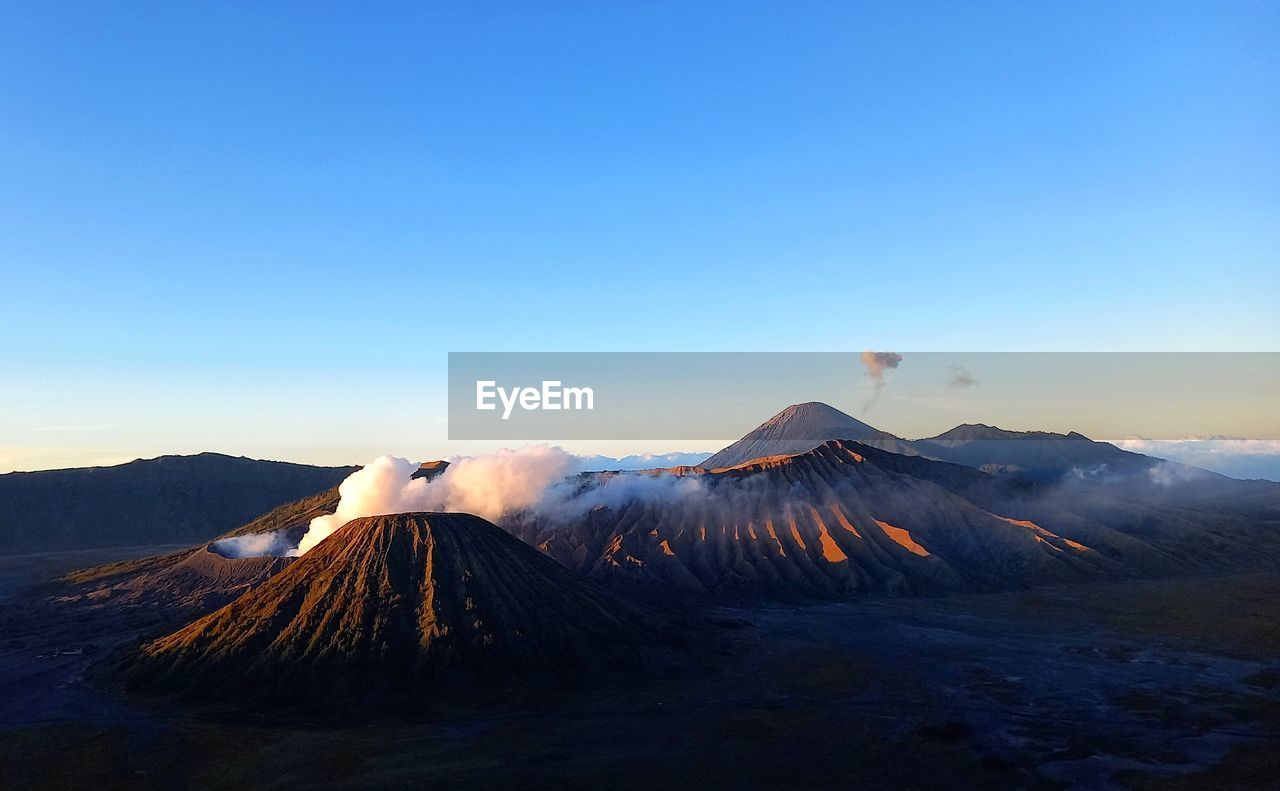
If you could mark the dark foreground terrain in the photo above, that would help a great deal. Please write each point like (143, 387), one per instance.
(1138, 684)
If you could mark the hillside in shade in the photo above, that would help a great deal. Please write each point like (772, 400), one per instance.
(390, 605)
(198, 580)
(193, 581)
(165, 500)
(1041, 455)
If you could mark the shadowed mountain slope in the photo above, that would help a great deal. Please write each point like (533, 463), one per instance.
(165, 500)
(193, 581)
(1041, 455)
(391, 604)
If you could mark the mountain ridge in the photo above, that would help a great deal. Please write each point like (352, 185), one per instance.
(795, 429)
(982, 431)
(164, 500)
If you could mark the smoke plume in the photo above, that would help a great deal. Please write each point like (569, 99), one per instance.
(877, 363)
(960, 377)
(501, 482)
(488, 486)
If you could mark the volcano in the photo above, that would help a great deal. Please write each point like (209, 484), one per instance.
(796, 429)
(848, 518)
(394, 604)
(842, 518)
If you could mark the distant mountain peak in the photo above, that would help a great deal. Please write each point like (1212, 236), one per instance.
(811, 411)
(796, 429)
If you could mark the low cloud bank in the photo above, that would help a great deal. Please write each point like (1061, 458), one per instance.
(644, 461)
(1237, 458)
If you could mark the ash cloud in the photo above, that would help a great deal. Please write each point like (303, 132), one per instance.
(877, 365)
(960, 377)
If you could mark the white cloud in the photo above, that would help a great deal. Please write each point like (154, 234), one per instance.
(488, 486)
(1238, 458)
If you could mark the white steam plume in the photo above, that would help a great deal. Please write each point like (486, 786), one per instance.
(255, 545)
(499, 483)
(487, 486)
(877, 363)
(570, 499)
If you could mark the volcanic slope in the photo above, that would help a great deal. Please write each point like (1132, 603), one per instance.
(199, 580)
(847, 518)
(191, 582)
(389, 604)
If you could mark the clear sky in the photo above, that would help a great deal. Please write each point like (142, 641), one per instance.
(259, 228)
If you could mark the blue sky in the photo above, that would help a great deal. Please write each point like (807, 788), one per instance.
(260, 230)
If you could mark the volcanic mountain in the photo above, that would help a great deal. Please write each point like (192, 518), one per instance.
(393, 604)
(848, 518)
(796, 429)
